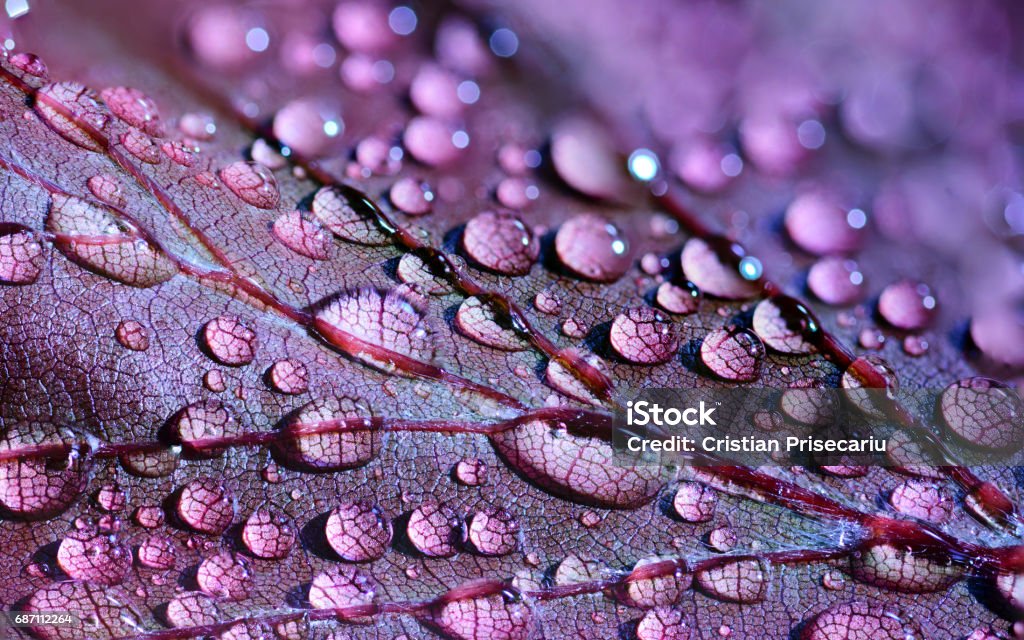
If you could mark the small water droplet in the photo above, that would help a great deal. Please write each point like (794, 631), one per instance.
(870, 338)
(302, 235)
(307, 127)
(786, 325)
(733, 354)
(593, 248)
(984, 413)
(312, 444)
(346, 213)
(205, 505)
(836, 281)
(676, 298)
(358, 531)
(493, 532)
(157, 551)
(110, 497)
(915, 346)
(135, 108)
(744, 581)
(642, 335)
(108, 189)
(225, 575)
(435, 92)
(471, 472)
(229, 341)
(923, 499)
(435, 530)
(90, 605)
(340, 586)
(141, 146)
(94, 557)
(253, 183)
(665, 623)
(74, 112)
(131, 334)
(574, 328)
(663, 588)
(289, 376)
(713, 264)
(431, 141)
(151, 464)
(833, 580)
(694, 502)
(501, 242)
(585, 157)
(907, 305)
(818, 224)
(897, 568)
(198, 126)
(180, 153)
(30, 64)
(590, 519)
(36, 487)
(478, 321)
(412, 196)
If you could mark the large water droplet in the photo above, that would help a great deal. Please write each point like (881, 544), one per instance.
(694, 502)
(475, 612)
(229, 341)
(97, 238)
(923, 499)
(733, 354)
(157, 552)
(818, 224)
(897, 568)
(206, 506)
(340, 586)
(576, 467)
(21, 254)
(35, 487)
(665, 623)
(307, 127)
(268, 534)
(135, 108)
(303, 236)
(478, 321)
(907, 305)
(585, 157)
(493, 532)
(312, 445)
(836, 281)
(108, 189)
(744, 581)
(204, 420)
(347, 216)
(74, 112)
(102, 611)
(253, 183)
(90, 556)
(682, 298)
(713, 264)
(435, 530)
(593, 248)
(141, 146)
(984, 413)
(576, 570)
(654, 583)
(859, 621)
(192, 610)
(289, 376)
(225, 575)
(644, 336)
(429, 140)
(565, 382)
(358, 531)
(501, 242)
(786, 325)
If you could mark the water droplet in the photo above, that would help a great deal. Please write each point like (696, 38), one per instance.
(565, 382)
(733, 354)
(435, 92)
(864, 382)
(593, 248)
(694, 502)
(102, 611)
(157, 552)
(131, 334)
(836, 281)
(471, 472)
(430, 140)
(94, 557)
(314, 446)
(478, 321)
(589, 519)
(253, 183)
(786, 325)
(999, 334)
(818, 224)
(704, 164)
(467, 614)
(307, 127)
(585, 157)
(37, 487)
(30, 64)
(135, 108)
(833, 580)
(435, 530)
(204, 420)
(915, 346)
(1010, 587)
(149, 516)
(576, 467)
(150, 464)
(412, 196)
(362, 26)
(206, 506)
(198, 126)
(341, 211)
(358, 531)
(380, 324)
(110, 498)
(268, 534)
(74, 112)
(574, 328)
(21, 254)
(225, 575)
(642, 335)
(108, 189)
(665, 623)
(547, 302)
(722, 539)
(247, 631)
(681, 299)
(713, 264)
(180, 153)
(870, 338)
(289, 376)
(413, 270)
(96, 238)
(493, 532)
(302, 235)
(141, 146)
(654, 582)
(744, 581)
(501, 242)
(923, 499)
(897, 568)
(229, 341)
(340, 586)
(516, 193)
(984, 413)
(859, 621)
(907, 305)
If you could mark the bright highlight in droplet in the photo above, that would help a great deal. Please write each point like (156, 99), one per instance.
(332, 128)
(732, 165)
(402, 20)
(460, 139)
(257, 39)
(16, 8)
(811, 134)
(468, 92)
(643, 165)
(504, 43)
(751, 268)
(856, 218)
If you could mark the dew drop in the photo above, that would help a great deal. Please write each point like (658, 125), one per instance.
(733, 354)
(149, 516)
(923, 500)
(247, 631)
(157, 552)
(289, 376)
(135, 108)
(74, 112)
(204, 420)
(303, 236)
(984, 413)
(21, 254)
(268, 534)
(593, 248)
(414, 270)
(412, 196)
(713, 264)
(562, 380)
(704, 164)
(94, 557)
(340, 586)
(102, 611)
(574, 328)
(694, 502)
(642, 335)
(219, 36)
(358, 531)
(435, 92)
(501, 242)
(547, 302)
(344, 212)
(35, 487)
(584, 156)
(30, 64)
(192, 609)
(198, 126)
(999, 334)
(96, 238)
(870, 338)
(374, 154)
(362, 26)
(907, 305)
(870, 383)
(819, 225)
(836, 281)
(317, 443)
(131, 334)
(887, 566)
(150, 464)
(467, 614)
(141, 146)
(493, 532)
(206, 506)
(665, 623)
(430, 141)
(576, 570)
(478, 321)
(471, 472)
(435, 530)
(744, 581)
(229, 341)
(589, 519)
(516, 193)
(111, 498)
(253, 183)
(108, 189)
(786, 325)
(915, 346)
(180, 153)
(833, 580)
(225, 575)
(682, 299)
(307, 127)
(655, 583)
(858, 621)
(722, 539)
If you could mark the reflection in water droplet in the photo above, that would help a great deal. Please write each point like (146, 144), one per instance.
(141, 146)
(897, 568)
(493, 532)
(665, 623)
(471, 472)
(346, 217)
(225, 575)
(314, 446)
(478, 321)
(435, 530)
(94, 557)
(713, 265)
(205, 505)
(131, 334)
(36, 487)
(289, 376)
(786, 325)
(303, 236)
(108, 189)
(102, 611)
(743, 581)
(694, 502)
(836, 281)
(681, 299)
(859, 621)
(984, 413)
(340, 586)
